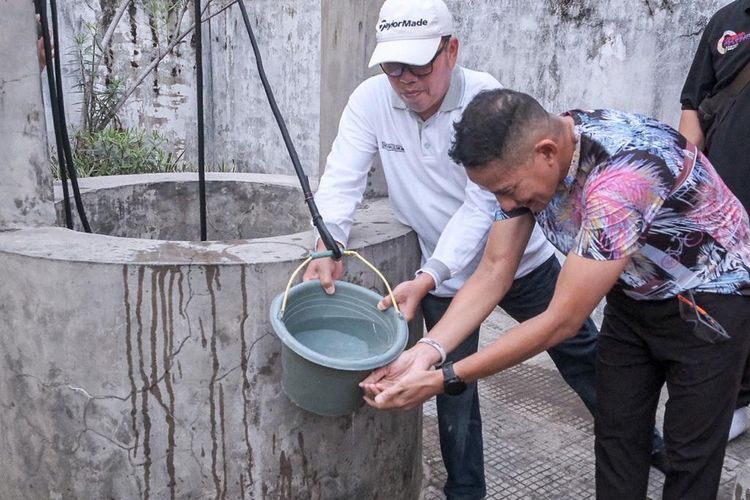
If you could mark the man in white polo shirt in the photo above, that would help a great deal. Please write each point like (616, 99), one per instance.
(406, 116)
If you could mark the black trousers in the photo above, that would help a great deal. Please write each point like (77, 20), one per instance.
(642, 345)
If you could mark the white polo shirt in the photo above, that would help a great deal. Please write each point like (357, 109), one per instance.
(427, 190)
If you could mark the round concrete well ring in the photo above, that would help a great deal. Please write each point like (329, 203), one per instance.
(144, 367)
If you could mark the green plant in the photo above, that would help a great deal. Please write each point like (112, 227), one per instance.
(128, 151)
(100, 95)
(114, 151)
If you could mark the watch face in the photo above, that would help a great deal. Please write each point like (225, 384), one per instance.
(455, 387)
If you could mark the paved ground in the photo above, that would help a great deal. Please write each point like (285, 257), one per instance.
(538, 436)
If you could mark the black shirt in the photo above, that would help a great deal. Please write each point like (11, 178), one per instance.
(723, 51)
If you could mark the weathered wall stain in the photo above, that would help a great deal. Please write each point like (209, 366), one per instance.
(654, 5)
(133, 23)
(245, 384)
(129, 358)
(308, 480)
(284, 481)
(212, 280)
(223, 442)
(159, 318)
(145, 416)
(167, 350)
(573, 11)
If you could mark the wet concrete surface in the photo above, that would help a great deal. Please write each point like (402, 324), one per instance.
(538, 436)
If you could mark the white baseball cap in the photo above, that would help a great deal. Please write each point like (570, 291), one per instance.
(409, 31)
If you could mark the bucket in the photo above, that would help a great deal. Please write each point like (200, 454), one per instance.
(330, 343)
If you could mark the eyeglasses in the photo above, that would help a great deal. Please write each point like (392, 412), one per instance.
(704, 326)
(396, 69)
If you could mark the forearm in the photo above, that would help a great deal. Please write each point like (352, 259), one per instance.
(474, 302)
(488, 284)
(580, 287)
(690, 127)
(517, 345)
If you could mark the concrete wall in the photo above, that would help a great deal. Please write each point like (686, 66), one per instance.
(632, 55)
(26, 186)
(165, 206)
(239, 126)
(134, 368)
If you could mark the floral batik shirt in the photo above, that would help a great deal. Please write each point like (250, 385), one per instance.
(636, 188)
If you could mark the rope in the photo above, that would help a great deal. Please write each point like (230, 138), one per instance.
(199, 104)
(63, 124)
(41, 7)
(62, 141)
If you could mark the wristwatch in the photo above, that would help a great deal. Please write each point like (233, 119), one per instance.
(452, 383)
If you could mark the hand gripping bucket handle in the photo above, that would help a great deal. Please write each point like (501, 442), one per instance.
(328, 253)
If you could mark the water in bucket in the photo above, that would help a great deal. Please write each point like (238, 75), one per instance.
(342, 337)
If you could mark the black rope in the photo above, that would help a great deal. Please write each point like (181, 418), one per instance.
(325, 235)
(201, 150)
(63, 123)
(64, 154)
(41, 8)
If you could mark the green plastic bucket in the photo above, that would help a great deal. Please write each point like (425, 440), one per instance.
(330, 343)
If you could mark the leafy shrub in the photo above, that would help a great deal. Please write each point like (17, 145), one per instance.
(128, 151)
(114, 151)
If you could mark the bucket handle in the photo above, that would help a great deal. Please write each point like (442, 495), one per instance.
(328, 253)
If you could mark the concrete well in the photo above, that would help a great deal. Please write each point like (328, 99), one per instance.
(138, 364)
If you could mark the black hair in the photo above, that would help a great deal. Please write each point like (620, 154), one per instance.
(493, 125)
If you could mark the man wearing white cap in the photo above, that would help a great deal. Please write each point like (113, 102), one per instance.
(406, 115)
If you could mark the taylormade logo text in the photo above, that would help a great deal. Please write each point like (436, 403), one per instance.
(406, 23)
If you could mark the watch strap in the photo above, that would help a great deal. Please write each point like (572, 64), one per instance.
(452, 383)
(448, 372)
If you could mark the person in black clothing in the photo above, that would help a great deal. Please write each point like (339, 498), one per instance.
(723, 52)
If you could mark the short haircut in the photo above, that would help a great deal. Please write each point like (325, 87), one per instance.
(493, 127)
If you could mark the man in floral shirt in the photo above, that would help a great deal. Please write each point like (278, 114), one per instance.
(646, 222)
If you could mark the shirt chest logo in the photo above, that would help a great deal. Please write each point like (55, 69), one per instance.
(394, 148)
(730, 41)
